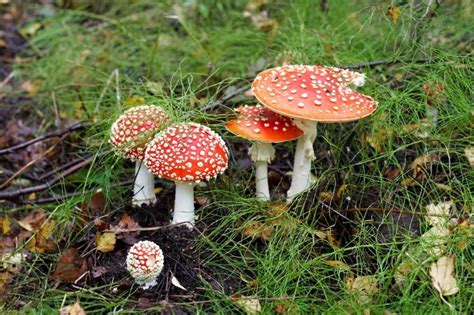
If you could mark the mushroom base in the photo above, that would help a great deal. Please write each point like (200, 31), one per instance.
(144, 187)
(184, 204)
(262, 154)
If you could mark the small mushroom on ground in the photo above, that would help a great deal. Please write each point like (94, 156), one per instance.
(263, 127)
(187, 154)
(311, 94)
(145, 262)
(129, 137)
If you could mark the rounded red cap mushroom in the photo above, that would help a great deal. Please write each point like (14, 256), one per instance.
(145, 262)
(187, 152)
(315, 93)
(258, 123)
(131, 132)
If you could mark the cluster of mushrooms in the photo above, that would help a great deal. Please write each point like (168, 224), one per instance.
(293, 98)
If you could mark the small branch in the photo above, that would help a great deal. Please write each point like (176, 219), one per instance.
(147, 229)
(64, 166)
(223, 100)
(54, 134)
(114, 73)
(48, 184)
(393, 210)
(29, 164)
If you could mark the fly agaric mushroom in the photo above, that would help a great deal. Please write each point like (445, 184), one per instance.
(263, 127)
(186, 153)
(311, 94)
(145, 262)
(129, 137)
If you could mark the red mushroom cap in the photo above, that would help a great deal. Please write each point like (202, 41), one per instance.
(145, 261)
(187, 152)
(131, 132)
(260, 124)
(315, 93)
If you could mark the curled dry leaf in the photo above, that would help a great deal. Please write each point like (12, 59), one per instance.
(73, 309)
(176, 283)
(125, 223)
(394, 14)
(439, 213)
(70, 266)
(442, 276)
(337, 264)
(249, 305)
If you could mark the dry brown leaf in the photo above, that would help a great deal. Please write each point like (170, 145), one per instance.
(421, 163)
(125, 223)
(394, 13)
(105, 241)
(364, 286)
(249, 305)
(5, 278)
(70, 266)
(73, 309)
(33, 221)
(258, 229)
(402, 271)
(442, 276)
(41, 242)
(435, 239)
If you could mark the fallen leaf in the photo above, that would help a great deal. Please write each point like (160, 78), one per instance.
(469, 152)
(98, 271)
(176, 283)
(364, 286)
(33, 221)
(402, 271)
(434, 93)
(12, 262)
(134, 100)
(70, 266)
(30, 29)
(5, 279)
(257, 229)
(438, 213)
(73, 309)
(442, 276)
(105, 241)
(5, 225)
(32, 87)
(337, 264)
(125, 223)
(40, 242)
(435, 239)
(421, 163)
(249, 305)
(394, 14)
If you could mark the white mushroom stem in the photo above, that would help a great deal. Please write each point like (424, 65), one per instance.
(304, 155)
(144, 187)
(184, 203)
(262, 154)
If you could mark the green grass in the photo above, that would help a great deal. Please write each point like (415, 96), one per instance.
(186, 65)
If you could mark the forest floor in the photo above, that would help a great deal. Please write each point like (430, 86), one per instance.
(386, 227)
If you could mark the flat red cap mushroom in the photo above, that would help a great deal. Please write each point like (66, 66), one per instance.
(129, 136)
(311, 94)
(145, 262)
(263, 127)
(187, 154)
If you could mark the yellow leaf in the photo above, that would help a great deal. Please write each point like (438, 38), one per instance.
(73, 309)
(41, 242)
(30, 29)
(394, 13)
(32, 88)
(337, 264)
(105, 241)
(134, 100)
(442, 277)
(6, 225)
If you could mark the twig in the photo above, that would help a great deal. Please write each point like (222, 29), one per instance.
(147, 229)
(114, 73)
(374, 63)
(394, 210)
(30, 163)
(48, 184)
(7, 79)
(226, 98)
(58, 133)
(64, 166)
